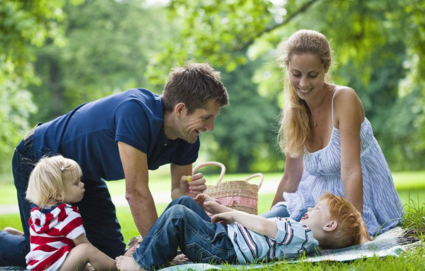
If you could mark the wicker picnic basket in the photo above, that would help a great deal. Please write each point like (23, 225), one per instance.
(238, 194)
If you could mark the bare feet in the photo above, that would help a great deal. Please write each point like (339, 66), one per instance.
(89, 267)
(133, 244)
(13, 231)
(125, 263)
(179, 259)
(130, 251)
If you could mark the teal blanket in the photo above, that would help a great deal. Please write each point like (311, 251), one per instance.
(390, 243)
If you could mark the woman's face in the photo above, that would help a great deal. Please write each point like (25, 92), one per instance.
(306, 75)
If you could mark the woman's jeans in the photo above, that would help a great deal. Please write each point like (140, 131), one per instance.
(96, 209)
(184, 224)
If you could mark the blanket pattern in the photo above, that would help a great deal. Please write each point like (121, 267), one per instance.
(390, 243)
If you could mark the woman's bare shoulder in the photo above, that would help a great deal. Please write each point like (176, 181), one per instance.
(344, 92)
(346, 96)
(347, 104)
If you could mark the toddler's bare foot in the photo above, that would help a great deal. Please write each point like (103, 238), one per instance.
(13, 231)
(89, 267)
(125, 263)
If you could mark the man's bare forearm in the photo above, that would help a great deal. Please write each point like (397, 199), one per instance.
(144, 214)
(176, 193)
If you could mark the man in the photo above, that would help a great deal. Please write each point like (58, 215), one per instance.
(123, 136)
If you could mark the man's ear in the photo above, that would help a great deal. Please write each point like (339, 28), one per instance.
(180, 109)
(330, 226)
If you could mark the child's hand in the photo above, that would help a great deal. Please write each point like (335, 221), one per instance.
(203, 198)
(208, 203)
(225, 218)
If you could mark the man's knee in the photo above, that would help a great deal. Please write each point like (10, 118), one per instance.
(184, 200)
(177, 211)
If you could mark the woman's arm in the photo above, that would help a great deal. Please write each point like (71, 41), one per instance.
(349, 115)
(291, 177)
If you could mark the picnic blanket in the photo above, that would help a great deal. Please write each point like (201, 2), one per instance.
(390, 243)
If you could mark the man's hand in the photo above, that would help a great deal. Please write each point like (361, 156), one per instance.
(193, 185)
(185, 184)
(225, 218)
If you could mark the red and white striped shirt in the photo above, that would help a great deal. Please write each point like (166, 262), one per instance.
(51, 236)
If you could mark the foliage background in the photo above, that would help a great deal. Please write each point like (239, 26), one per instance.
(55, 55)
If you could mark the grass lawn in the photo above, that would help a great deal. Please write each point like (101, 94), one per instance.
(410, 186)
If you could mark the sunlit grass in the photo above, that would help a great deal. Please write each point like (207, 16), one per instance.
(411, 260)
(404, 182)
(409, 194)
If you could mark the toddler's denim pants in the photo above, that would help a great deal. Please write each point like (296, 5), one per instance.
(185, 224)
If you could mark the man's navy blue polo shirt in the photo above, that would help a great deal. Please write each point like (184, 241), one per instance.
(89, 135)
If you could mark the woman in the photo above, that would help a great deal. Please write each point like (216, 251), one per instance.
(329, 144)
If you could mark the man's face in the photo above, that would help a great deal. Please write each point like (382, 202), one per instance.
(198, 122)
(318, 217)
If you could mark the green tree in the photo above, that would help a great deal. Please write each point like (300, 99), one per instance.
(378, 49)
(23, 25)
(110, 44)
(243, 134)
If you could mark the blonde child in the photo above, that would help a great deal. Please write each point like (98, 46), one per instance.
(332, 223)
(57, 235)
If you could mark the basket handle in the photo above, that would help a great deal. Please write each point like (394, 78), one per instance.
(205, 164)
(256, 175)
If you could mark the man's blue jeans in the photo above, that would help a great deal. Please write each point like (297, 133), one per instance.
(96, 209)
(185, 224)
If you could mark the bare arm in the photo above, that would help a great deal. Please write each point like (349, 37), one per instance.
(349, 115)
(181, 187)
(81, 240)
(138, 195)
(291, 177)
(254, 223)
(211, 205)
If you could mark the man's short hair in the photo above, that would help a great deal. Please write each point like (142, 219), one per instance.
(194, 85)
(351, 229)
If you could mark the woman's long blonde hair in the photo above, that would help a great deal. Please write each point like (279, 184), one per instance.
(295, 129)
